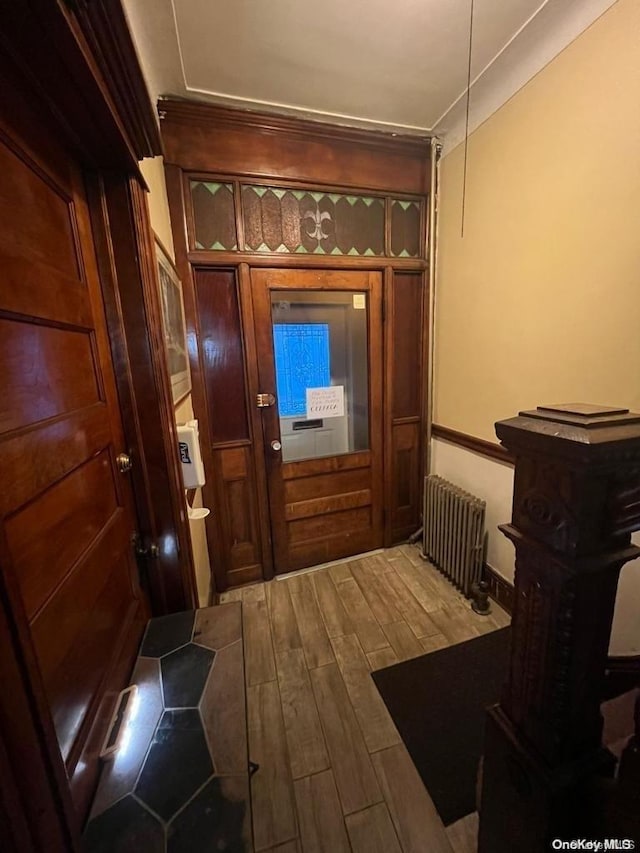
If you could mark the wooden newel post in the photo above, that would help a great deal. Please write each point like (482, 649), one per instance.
(576, 502)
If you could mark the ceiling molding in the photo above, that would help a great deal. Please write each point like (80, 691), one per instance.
(105, 28)
(305, 113)
(556, 24)
(186, 111)
(548, 30)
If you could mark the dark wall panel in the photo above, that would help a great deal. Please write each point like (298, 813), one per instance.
(222, 355)
(407, 374)
(407, 344)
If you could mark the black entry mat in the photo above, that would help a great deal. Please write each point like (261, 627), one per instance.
(437, 702)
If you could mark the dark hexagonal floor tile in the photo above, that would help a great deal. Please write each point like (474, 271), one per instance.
(178, 763)
(184, 675)
(166, 633)
(214, 821)
(126, 827)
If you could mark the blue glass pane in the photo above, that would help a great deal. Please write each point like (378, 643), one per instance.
(302, 361)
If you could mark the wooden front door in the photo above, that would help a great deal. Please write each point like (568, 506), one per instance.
(66, 511)
(319, 350)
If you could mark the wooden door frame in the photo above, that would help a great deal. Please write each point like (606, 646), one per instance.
(78, 64)
(375, 359)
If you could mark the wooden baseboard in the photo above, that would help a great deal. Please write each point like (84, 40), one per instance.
(499, 588)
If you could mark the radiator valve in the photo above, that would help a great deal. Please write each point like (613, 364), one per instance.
(480, 603)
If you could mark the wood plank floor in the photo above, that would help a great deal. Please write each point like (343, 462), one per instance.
(334, 774)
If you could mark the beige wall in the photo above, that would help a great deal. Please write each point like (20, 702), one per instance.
(153, 172)
(540, 301)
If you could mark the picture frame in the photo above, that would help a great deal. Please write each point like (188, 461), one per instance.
(173, 324)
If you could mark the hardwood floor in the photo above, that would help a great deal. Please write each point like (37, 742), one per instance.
(334, 774)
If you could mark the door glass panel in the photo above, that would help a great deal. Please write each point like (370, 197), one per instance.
(322, 372)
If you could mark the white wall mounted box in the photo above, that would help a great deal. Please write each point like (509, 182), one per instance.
(190, 456)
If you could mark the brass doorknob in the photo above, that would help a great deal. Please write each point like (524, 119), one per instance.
(124, 463)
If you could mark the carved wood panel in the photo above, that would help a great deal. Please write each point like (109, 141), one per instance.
(404, 382)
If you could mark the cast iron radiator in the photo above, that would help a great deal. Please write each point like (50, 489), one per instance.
(453, 536)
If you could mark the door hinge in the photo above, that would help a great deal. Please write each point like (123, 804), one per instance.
(263, 401)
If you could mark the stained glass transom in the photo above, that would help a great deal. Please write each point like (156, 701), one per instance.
(302, 361)
(319, 223)
(405, 229)
(214, 216)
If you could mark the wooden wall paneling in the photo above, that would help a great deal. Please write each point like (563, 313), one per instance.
(425, 414)
(388, 404)
(407, 491)
(238, 142)
(404, 410)
(406, 390)
(376, 405)
(241, 553)
(224, 374)
(105, 28)
(223, 361)
(85, 68)
(237, 199)
(126, 254)
(153, 582)
(253, 388)
(172, 515)
(179, 212)
(300, 261)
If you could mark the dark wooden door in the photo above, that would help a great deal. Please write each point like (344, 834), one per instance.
(66, 511)
(320, 330)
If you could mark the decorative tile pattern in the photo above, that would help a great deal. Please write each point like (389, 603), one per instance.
(127, 827)
(167, 633)
(165, 789)
(218, 813)
(301, 221)
(120, 774)
(184, 674)
(177, 765)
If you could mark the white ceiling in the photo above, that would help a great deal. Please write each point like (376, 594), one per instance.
(399, 65)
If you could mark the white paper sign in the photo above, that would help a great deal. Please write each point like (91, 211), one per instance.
(325, 402)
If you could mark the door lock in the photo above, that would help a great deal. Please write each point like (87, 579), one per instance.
(263, 401)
